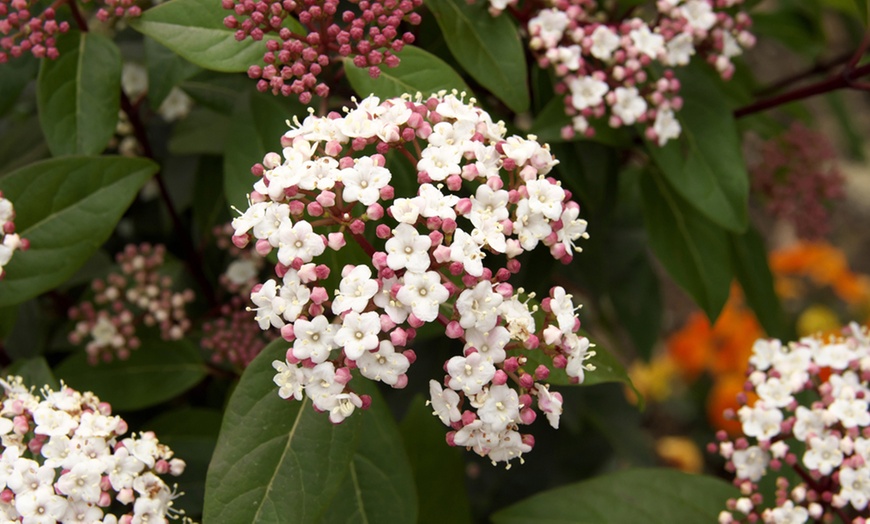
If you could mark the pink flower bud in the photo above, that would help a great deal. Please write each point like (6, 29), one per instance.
(528, 415)
(448, 225)
(500, 378)
(454, 330)
(401, 381)
(322, 271)
(319, 295)
(342, 375)
(415, 322)
(263, 247)
(468, 417)
(357, 227)
(511, 365)
(398, 337)
(315, 209)
(386, 323)
(125, 496)
(410, 355)
(383, 231)
(336, 241)
(527, 381)
(287, 333)
(326, 198)
(240, 241)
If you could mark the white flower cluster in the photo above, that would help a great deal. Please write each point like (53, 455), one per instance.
(811, 414)
(9, 240)
(63, 461)
(480, 196)
(607, 68)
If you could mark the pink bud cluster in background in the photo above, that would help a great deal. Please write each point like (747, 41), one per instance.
(304, 37)
(23, 31)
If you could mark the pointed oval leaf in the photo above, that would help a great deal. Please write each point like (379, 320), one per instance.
(652, 496)
(156, 372)
(380, 485)
(487, 47)
(418, 72)
(195, 30)
(165, 70)
(66, 208)
(693, 250)
(753, 273)
(276, 461)
(79, 94)
(705, 166)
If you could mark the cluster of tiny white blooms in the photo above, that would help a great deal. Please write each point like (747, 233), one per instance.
(9, 240)
(811, 414)
(481, 197)
(137, 296)
(64, 460)
(607, 69)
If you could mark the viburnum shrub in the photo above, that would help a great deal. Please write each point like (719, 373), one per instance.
(444, 254)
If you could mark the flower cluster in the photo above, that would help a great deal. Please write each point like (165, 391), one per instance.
(314, 33)
(138, 295)
(9, 240)
(798, 178)
(608, 68)
(63, 460)
(21, 32)
(480, 196)
(811, 414)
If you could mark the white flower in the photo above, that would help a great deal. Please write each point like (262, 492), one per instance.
(573, 228)
(855, 486)
(408, 249)
(385, 364)
(358, 333)
(423, 293)
(811, 422)
(646, 42)
(545, 198)
(764, 352)
(666, 126)
(406, 210)
(289, 379)
(530, 228)
(295, 296)
(469, 374)
(751, 463)
(82, 481)
(500, 409)
(270, 306)
(241, 271)
(823, 454)
(364, 181)
(680, 50)
(319, 174)
(562, 305)
(490, 343)
(465, 250)
(774, 392)
(134, 80)
(478, 307)
(314, 339)
(175, 106)
(518, 318)
(698, 13)
(445, 403)
(760, 421)
(604, 42)
(345, 403)
(788, 513)
(549, 25)
(586, 91)
(395, 309)
(549, 403)
(440, 162)
(322, 387)
(436, 203)
(355, 290)
(299, 241)
(507, 446)
(628, 105)
(488, 205)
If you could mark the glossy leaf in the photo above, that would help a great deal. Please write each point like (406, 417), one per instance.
(194, 29)
(22, 143)
(705, 166)
(202, 132)
(156, 372)
(28, 338)
(487, 47)
(66, 208)
(439, 469)
(14, 77)
(749, 257)
(652, 496)
(693, 250)
(165, 70)
(379, 486)
(418, 72)
(276, 461)
(79, 94)
(637, 300)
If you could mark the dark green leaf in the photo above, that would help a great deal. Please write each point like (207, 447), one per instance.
(79, 94)
(749, 257)
(439, 470)
(652, 496)
(29, 335)
(276, 460)
(21, 143)
(34, 371)
(66, 208)
(14, 77)
(158, 371)
(705, 165)
(418, 72)
(693, 250)
(195, 30)
(379, 486)
(488, 48)
(165, 70)
(203, 132)
(637, 299)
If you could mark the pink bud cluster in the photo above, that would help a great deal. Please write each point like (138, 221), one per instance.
(799, 178)
(63, 460)
(480, 196)
(137, 296)
(311, 34)
(811, 416)
(9, 240)
(22, 32)
(607, 69)
(116, 9)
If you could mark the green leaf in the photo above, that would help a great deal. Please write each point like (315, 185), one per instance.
(705, 166)
(34, 371)
(693, 250)
(79, 94)
(379, 486)
(418, 72)
(203, 132)
(439, 469)
(165, 70)
(276, 460)
(637, 300)
(66, 208)
(749, 257)
(29, 336)
(156, 372)
(191, 433)
(14, 77)
(217, 91)
(487, 47)
(21, 143)
(195, 30)
(652, 496)
(259, 122)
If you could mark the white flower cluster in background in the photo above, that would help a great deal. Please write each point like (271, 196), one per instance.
(621, 70)
(811, 415)
(64, 460)
(9, 240)
(442, 253)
